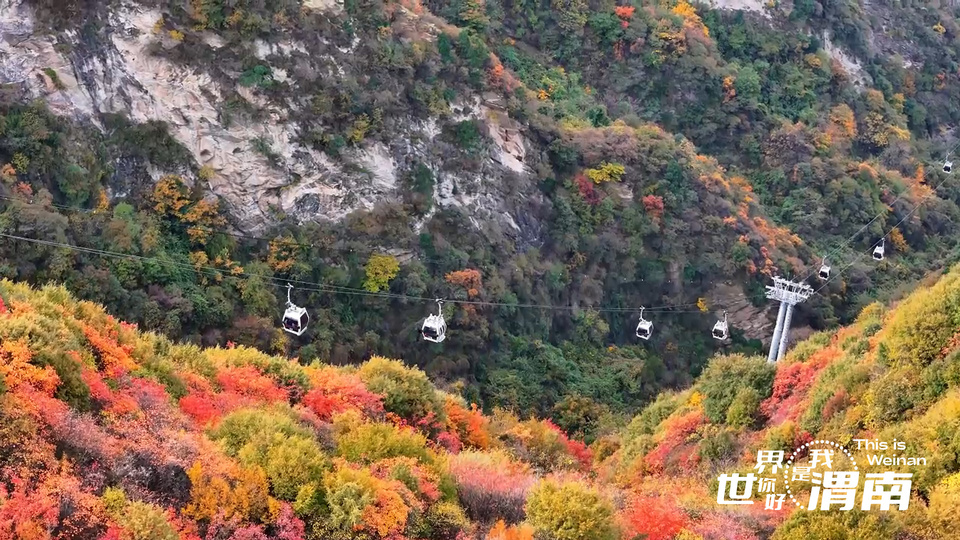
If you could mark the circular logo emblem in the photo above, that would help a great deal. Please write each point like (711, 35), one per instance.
(805, 468)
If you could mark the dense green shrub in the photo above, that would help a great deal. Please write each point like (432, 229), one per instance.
(743, 409)
(72, 389)
(407, 392)
(370, 442)
(726, 376)
(291, 462)
(239, 428)
(924, 323)
(258, 75)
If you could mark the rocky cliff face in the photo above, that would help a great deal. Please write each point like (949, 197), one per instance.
(124, 68)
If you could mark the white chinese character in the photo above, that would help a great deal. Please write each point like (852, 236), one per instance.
(774, 501)
(728, 488)
(801, 474)
(772, 457)
(899, 492)
(839, 487)
(817, 454)
(766, 485)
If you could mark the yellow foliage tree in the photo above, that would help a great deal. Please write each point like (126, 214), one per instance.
(380, 270)
(170, 196)
(246, 499)
(690, 17)
(898, 241)
(18, 371)
(283, 253)
(606, 172)
(203, 216)
(570, 511)
(842, 122)
(172, 199)
(103, 202)
(358, 501)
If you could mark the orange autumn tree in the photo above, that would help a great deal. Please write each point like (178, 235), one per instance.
(469, 425)
(172, 199)
(283, 253)
(501, 531)
(468, 279)
(19, 372)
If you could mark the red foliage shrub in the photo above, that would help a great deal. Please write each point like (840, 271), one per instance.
(588, 190)
(288, 526)
(656, 517)
(450, 442)
(113, 533)
(624, 12)
(837, 402)
(202, 409)
(99, 390)
(334, 391)
(575, 448)
(792, 383)
(113, 359)
(123, 404)
(150, 394)
(26, 514)
(653, 204)
(676, 431)
(250, 532)
(469, 425)
(249, 382)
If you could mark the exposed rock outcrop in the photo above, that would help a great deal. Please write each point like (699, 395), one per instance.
(118, 72)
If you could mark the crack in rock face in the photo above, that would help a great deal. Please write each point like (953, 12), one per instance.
(115, 71)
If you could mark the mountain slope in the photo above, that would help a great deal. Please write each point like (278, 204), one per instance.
(592, 157)
(113, 433)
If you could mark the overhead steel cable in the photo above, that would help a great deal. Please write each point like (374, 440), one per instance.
(336, 289)
(850, 239)
(882, 238)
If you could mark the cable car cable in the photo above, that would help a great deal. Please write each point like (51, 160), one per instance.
(335, 289)
(882, 238)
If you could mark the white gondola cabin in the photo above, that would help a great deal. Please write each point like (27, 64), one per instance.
(824, 272)
(721, 330)
(878, 250)
(644, 327)
(295, 318)
(434, 327)
(947, 166)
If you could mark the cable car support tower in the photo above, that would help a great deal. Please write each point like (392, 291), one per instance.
(788, 293)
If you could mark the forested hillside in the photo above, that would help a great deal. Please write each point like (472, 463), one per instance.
(112, 433)
(180, 163)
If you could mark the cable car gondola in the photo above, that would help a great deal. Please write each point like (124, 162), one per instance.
(947, 165)
(824, 270)
(434, 327)
(720, 330)
(295, 318)
(878, 251)
(644, 327)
